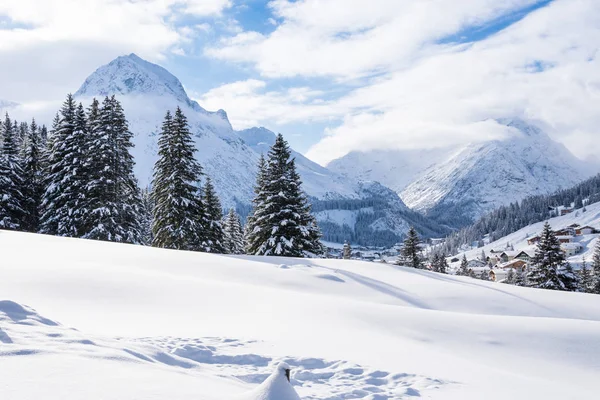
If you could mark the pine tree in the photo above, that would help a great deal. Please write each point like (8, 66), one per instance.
(521, 278)
(483, 257)
(411, 250)
(586, 279)
(65, 171)
(113, 200)
(146, 217)
(178, 209)
(281, 222)
(435, 262)
(234, 237)
(214, 238)
(443, 268)
(464, 267)
(484, 276)
(549, 268)
(12, 200)
(510, 277)
(251, 231)
(596, 268)
(33, 179)
(347, 251)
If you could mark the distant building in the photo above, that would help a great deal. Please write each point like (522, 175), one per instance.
(570, 249)
(565, 238)
(525, 255)
(515, 264)
(585, 230)
(533, 240)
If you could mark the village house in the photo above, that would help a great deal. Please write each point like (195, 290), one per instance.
(570, 249)
(566, 211)
(585, 230)
(533, 240)
(508, 255)
(525, 255)
(498, 275)
(565, 238)
(515, 264)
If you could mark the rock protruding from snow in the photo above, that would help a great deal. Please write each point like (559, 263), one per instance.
(275, 387)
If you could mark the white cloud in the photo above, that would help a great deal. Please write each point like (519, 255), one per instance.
(544, 68)
(53, 44)
(253, 105)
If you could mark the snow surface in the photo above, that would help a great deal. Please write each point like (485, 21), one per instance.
(115, 321)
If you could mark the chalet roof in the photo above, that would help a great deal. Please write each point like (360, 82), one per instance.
(510, 263)
(530, 253)
(511, 253)
(570, 246)
(570, 237)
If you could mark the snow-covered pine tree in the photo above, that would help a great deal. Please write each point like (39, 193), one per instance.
(510, 277)
(521, 278)
(214, 236)
(443, 267)
(549, 268)
(146, 217)
(347, 251)
(596, 268)
(484, 275)
(12, 201)
(234, 236)
(435, 262)
(251, 230)
(33, 179)
(586, 279)
(281, 222)
(178, 207)
(410, 254)
(113, 201)
(464, 267)
(483, 257)
(64, 176)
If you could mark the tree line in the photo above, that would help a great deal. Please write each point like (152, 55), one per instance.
(77, 180)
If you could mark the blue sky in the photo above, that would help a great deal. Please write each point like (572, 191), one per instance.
(333, 76)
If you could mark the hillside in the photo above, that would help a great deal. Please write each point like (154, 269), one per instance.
(86, 319)
(518, 239)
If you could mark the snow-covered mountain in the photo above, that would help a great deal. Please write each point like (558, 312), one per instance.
(229, 157)
(455, 185)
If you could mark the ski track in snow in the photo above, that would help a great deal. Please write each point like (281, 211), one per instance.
(25, 333)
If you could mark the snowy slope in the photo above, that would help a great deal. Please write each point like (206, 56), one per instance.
(462, 183)
(519, 238)
(125, 322)
(229, 157)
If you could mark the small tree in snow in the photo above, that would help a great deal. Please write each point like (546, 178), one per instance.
(234, 237)
(510, 277)
(549, 268)
(586, 278)
(411, 250)
(347, 251)
(596, 268)
(464, 267)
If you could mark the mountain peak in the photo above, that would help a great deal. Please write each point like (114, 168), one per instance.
(130, 74)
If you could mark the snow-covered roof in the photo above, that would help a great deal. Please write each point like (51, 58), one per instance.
(570, 246)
